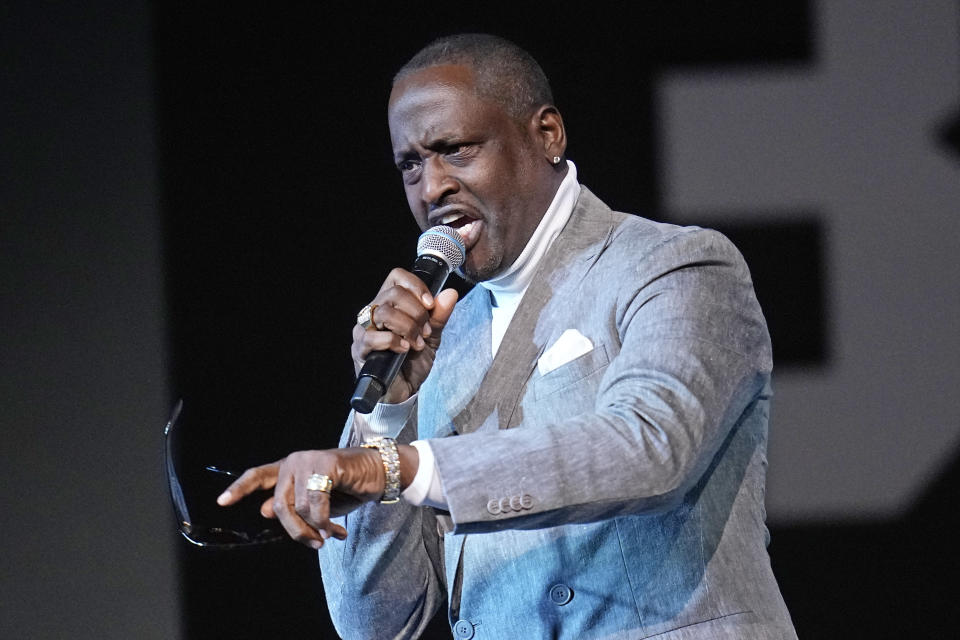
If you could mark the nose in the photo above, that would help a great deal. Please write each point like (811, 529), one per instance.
(436, 181)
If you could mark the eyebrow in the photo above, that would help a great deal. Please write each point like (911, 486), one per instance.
(436, 144)
(404, 155)
(443, 141)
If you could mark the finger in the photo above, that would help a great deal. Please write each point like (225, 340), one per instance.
(266, 509)
(262, 477)
(416, 302)
(312, 506)
(404, 319)
(379, 341)
(337, 531)
(410, 282)
(284, 506)
(296, 527)
(330, 529)
(356, 347)
(400, 310)
(445, 302)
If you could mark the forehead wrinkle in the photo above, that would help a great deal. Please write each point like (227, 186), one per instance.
(424, 119)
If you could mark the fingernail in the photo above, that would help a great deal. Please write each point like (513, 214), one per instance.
(316, 544)
(427, 330)
(420, 343)
(224, 498)
(324, 534)
(404, 343)
(427, 299)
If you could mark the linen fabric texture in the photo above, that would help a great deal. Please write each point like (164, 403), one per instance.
(620, 495)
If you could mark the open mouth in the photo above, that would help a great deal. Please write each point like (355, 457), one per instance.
(468, 228)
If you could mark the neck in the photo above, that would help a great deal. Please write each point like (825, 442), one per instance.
(556, 212)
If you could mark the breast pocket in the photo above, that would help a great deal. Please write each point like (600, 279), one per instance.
(571, 373)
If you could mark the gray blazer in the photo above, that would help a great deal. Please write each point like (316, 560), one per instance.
(619, 495)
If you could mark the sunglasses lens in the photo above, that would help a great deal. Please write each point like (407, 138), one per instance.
(217, 537)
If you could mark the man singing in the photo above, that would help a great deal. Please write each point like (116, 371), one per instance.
(580, 443)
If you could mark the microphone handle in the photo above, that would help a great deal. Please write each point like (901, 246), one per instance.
(381, 367)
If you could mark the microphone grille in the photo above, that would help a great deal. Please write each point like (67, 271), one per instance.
(445, 243)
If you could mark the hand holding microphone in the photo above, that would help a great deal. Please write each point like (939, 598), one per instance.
(396, 352)
(409, 314)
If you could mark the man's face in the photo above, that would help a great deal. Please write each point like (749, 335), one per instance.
(467, 164)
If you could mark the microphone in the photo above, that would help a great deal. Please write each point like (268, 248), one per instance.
(440, 250)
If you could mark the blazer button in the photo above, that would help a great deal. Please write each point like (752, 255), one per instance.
(560, 594)
(515, 503)
(526, 501)
(494, 507)
(463, 630)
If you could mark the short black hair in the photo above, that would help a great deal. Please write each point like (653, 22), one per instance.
(504, 72)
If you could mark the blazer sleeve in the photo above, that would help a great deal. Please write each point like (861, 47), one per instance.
(694, 355)
(385, 580)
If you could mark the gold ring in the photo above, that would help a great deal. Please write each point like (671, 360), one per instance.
(318, 482)
(365, 316)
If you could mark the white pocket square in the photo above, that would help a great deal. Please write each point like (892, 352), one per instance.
(570, 345)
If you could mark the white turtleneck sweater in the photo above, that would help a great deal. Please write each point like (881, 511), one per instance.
(506, 292)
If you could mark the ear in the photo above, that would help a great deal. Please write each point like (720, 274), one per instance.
(550, 132)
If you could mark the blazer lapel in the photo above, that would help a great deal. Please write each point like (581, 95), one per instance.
(494, 402)
(458, 372)
(575, 250)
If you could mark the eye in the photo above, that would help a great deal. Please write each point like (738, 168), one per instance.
(460, 153)
(408, 165)
(459, 149)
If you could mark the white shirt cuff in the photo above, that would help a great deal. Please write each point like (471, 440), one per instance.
(426, 488)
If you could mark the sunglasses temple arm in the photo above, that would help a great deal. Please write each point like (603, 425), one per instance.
(176, 493)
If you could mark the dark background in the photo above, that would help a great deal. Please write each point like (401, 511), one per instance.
(280, 211)
(279, 195)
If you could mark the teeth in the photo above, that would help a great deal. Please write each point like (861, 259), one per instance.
(450, 217)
